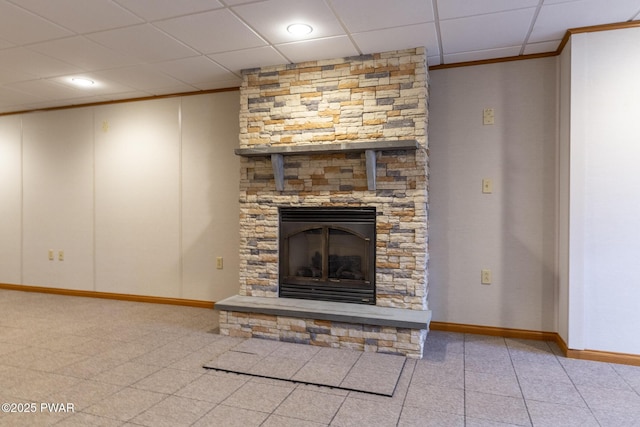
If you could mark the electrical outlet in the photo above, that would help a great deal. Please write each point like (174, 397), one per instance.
(488, 116)
(219, 263)
(485, 277)
(487, 186)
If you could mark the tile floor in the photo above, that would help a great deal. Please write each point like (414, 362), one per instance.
(136, 364)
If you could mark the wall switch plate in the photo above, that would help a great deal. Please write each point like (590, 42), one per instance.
(219, 263)
(485, 277)
(50, 254)
(60, 255)
(487, 186)
(488, 116)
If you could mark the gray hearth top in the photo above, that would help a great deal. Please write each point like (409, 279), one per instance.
(325, 310)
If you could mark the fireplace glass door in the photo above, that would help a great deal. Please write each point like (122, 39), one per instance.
(328, 254)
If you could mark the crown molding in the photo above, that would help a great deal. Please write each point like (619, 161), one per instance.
(558, 51)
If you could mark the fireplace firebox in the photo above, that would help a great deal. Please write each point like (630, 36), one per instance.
(328, 254)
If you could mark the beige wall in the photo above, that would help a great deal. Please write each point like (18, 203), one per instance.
(140, 196)
(511, 231)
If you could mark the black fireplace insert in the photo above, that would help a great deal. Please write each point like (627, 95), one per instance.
(328, 254)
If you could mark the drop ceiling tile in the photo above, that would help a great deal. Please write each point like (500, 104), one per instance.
(171, 90)
(199, 69)
(10, 98)
(83, 53)
(542, 47)
(480, 55)
(212, 32)
(546, 2)
(250, 58)
(311, 50)
(80, 100)
(236, 2)
(103, 86)
(367, 15)
(8, 75)
(554, 19)
(460, 8)
(131, 94)
(18, 26)
(153, 10)
(46, 89)
(33, 63)
(142, 77)
(484, 32)
(221, 84)
(78, 16)
(143, 42)
(399, 38)
(272, 17)
(17, 108)
(5, 44)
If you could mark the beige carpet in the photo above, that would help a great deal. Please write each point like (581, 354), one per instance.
(374, 373)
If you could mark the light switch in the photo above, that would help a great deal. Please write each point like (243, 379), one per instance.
(50, 254)
(219, 263)
(60, 255)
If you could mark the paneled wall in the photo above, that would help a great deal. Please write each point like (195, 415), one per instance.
(57, 198)
(140, 197)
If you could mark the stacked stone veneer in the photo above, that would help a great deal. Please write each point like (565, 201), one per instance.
(367, 98)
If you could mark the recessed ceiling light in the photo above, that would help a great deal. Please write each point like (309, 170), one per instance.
(299, 29)
(81, 81)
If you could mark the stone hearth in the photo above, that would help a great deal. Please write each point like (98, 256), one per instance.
(348, 132)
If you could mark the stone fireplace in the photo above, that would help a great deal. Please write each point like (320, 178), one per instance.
(321, 137)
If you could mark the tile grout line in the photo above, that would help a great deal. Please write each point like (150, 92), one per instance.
(515, 371)
(280, 404)
(464, 378)
(613, 366)
(413, 370)
(304, 365)
(586, 404)
(351, 368)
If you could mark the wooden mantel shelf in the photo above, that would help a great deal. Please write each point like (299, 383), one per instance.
(370, 148)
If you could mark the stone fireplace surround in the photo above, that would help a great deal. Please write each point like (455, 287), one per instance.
(347, 132)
